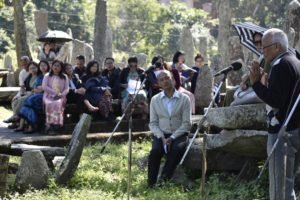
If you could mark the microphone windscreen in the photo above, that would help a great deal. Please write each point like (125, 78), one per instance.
(236, 65)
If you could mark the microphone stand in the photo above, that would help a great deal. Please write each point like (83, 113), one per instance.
(129, 153)
(203, 119)
(131, 103)
(122, 117)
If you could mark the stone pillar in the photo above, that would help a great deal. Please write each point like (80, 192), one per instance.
(203, 47)
(41, 21)
(235, 51)
(65, 52)
(189, 3)
(224, 12)
(78, 49)
(88, 52)
(33, 171)
(293, 21)
(10, 79)
(142, 59)
(216, 64)
(291, 36)
(3, 173)
(203, 91)
(187, 45)
(166, 2)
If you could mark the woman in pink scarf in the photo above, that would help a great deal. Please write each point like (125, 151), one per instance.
(56, 87)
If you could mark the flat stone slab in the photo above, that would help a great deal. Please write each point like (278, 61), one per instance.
(250, 143)
(7, 93)
(18, 149)
(98, 135)
(251, 117)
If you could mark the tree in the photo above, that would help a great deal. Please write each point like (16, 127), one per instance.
(149, 27)
(100, 31)
(20, 31)
(75, 14)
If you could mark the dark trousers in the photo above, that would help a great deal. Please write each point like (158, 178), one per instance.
(172, 158)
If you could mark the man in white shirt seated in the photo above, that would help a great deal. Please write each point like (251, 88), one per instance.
(170, 123)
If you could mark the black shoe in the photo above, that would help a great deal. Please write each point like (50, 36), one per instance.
(11, 120)
(19, 130)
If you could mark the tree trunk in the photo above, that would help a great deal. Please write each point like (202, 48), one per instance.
(100, 31)
(22, 48)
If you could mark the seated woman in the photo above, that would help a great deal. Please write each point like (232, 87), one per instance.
(56, 87)
(97, 98)
(33, 105)
(152, 86)
(178, 60)
(30, 84)
(134, 74)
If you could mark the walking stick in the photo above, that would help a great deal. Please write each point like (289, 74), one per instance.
(203, 119)
(282, 134)
(122, 117)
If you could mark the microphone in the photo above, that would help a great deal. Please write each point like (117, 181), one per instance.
(234, 66)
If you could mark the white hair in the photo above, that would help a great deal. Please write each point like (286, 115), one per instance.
(277, 36)
(161, 72)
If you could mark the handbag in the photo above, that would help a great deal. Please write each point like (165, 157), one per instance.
(247, 96)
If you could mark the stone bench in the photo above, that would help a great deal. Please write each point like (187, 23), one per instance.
(72, 111)
(7, 93)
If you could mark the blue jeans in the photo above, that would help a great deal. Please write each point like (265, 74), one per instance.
(276, 165)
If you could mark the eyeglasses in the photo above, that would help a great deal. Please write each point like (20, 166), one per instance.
(263, 48)
(109, 63)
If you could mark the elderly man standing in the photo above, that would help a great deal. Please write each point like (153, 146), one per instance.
(276, 90)
(170, 123)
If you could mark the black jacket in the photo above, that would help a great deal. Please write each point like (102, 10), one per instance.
(113, 81)
(281, 84)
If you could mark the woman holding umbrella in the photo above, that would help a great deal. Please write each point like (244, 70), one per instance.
(47, 54)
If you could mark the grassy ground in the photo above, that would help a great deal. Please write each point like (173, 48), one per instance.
(105, 177)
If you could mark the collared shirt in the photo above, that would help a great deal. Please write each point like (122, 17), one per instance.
(169, 102)
(277, 59)
(22, 76)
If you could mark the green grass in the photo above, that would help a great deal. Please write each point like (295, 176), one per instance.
(105, 177)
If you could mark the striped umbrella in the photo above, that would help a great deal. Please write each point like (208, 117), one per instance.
(246, 29)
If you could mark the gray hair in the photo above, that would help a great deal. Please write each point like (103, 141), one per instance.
(167, 72)
(278, 36)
